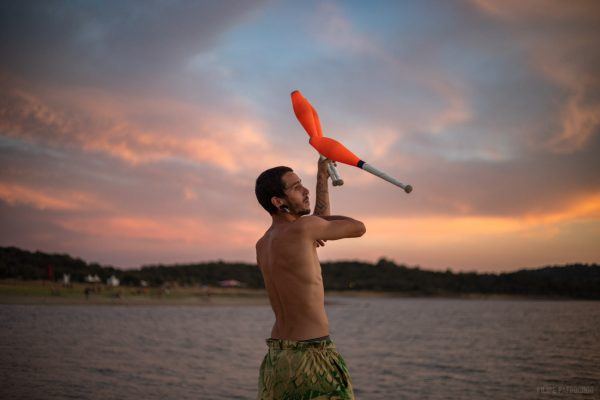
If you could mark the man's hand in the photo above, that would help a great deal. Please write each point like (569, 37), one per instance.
(320, 243)
(322, 166)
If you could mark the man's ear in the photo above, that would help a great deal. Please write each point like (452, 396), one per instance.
(277, 202)
(280, 204)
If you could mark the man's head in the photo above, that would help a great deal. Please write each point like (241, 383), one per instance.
(280, 190)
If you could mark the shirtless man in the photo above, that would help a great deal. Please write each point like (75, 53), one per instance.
(302, 361)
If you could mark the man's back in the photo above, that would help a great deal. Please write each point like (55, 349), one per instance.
(292, 274)
(302, 360)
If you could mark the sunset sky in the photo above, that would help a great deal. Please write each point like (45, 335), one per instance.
(132, 132)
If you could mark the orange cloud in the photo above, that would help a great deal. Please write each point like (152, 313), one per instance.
(435, 230)
(479, 242)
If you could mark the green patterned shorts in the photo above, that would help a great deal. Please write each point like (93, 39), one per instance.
(303, 370)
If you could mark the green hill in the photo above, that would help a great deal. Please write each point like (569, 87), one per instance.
(580, 281)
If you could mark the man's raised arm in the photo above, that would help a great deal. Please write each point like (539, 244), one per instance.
(322, 207)
(332, 227)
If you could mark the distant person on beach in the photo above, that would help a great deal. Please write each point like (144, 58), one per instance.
(302, 360)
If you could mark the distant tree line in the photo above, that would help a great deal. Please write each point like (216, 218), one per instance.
(572, 280)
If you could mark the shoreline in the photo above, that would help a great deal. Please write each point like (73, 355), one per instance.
(16, 292)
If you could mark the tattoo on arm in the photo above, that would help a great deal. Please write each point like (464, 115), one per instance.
(322, 202)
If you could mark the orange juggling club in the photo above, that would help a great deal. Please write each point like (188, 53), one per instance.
(309, 119)
(331, 148)
(306, 114)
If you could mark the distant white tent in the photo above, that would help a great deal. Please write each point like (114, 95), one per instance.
(112, 281)
(92, 279)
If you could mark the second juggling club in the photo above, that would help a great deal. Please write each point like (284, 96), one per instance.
(331, 148)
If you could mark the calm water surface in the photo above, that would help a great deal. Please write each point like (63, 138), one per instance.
(394, 348)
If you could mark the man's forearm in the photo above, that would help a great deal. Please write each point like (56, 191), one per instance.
(322, 202)
(335, 217)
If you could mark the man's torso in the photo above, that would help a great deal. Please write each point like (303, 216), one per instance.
(292, 275)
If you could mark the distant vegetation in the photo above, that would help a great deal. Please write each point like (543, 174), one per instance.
(574, 280)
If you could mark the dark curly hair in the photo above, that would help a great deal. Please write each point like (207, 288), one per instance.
(269, 184)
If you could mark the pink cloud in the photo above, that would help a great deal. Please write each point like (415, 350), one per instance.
(559, 44)
(95, 121)
(50, 199)
(169, 233)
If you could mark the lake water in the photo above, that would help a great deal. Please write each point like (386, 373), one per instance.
(394, 348)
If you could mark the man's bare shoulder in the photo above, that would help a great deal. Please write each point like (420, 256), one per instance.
(259, 246)
(260, 242)
(305, 224)
(308, 220)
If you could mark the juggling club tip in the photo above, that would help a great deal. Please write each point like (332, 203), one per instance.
(338, 182)
(408, 188)
(294, 91)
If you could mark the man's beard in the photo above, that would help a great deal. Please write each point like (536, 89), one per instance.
(301, 211)
(304, 211)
